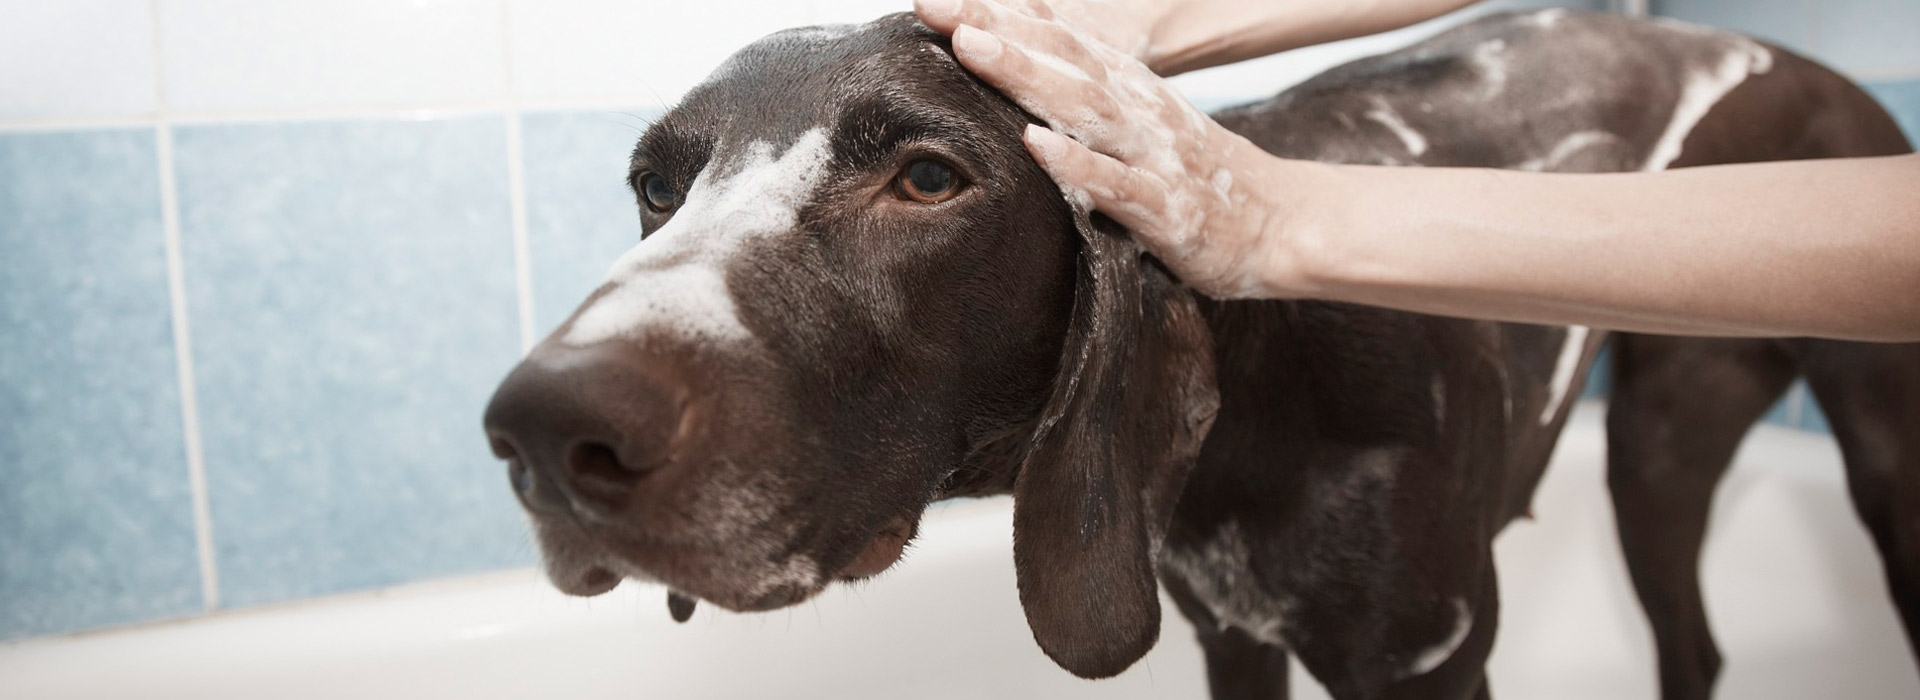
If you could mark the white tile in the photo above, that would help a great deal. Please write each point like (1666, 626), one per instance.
(647, 52)
(79, 58)
(237, 54)
(1871, 38)
(844, 11)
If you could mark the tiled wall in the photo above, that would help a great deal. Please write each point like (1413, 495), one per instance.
(261, 264)
(1876, 42)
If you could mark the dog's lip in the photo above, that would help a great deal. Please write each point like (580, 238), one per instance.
(591, 581)
(880, 553)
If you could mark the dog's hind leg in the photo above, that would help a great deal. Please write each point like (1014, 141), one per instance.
(1679, 409)
(1871, 395)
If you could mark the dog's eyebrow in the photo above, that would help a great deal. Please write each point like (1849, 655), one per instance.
(671, 147)
(871, 130)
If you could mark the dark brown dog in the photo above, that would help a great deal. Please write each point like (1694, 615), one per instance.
(857, 295)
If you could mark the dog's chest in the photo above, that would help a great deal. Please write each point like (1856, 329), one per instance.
(1219, 572)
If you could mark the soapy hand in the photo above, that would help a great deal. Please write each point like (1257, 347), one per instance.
(1196, 195)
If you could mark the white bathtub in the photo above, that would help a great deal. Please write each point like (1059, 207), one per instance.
(1793, 586)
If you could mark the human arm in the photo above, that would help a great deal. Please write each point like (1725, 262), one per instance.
(1176, 36)
(1826, 248)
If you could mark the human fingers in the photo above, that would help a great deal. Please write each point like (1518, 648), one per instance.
(1135, 199)
(1058, 93)
(1030, 27)
(1123, 26)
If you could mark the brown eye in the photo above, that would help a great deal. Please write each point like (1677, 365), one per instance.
(928, 182)
(660, 196)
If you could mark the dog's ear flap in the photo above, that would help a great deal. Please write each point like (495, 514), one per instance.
(1134, 398)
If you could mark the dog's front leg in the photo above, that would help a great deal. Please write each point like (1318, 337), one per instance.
(1239, 667)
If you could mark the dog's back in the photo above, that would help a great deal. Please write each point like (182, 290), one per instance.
(1569, 92)
(1545, 91)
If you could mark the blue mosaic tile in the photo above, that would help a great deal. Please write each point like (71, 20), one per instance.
(1789, 23)
(1812, 418)
(96, 518)
(1787, 410)
(1871, 36)
(353, 304)
(580, 214)
(1600, 375)
(1902, 98)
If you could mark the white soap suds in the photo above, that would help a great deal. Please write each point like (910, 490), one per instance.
(676, 278)
(1491, 60)
(1566, 148)
(1703, 89)
(1437, 654)
(1383, 114)
(1570, 351)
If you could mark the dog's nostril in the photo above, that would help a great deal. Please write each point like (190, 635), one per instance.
(517, 473)
(501, 447)
(593, 459)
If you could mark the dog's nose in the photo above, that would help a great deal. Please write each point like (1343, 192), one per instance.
(583, 428)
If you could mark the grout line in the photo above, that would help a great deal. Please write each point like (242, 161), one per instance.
(182, 332)
(421, 111)
(517, 188)
(517, 210)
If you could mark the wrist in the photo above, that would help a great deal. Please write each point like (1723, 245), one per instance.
(1177, 43)
(1305, 210)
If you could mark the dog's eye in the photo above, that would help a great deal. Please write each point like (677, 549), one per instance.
(660, 196)
(928, 182)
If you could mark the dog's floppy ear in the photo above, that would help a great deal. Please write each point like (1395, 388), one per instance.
(1130, 407)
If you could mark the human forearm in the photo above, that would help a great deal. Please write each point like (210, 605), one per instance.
(1829, 248)
(1176, 36)
(1187, 35)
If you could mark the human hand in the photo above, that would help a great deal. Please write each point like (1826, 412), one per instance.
(1199, 197)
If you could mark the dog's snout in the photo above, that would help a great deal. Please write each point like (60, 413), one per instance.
(584, 428)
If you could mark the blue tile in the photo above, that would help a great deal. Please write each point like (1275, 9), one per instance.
(1812, 418)
(580, 214)
(1600, 375)
(353, 305)
(1789, 23)
(96, 518)
(1902, 98)
(1871, 36)
(1787, 410)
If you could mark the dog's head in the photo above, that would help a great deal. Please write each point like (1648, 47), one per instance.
(856, 294)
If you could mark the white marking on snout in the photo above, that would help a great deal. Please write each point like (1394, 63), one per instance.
(1570, 351)
(676, 279)
(1383, 114)
(1549, 17)
(1703, 89)
(1437, 654)
(801, 571)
